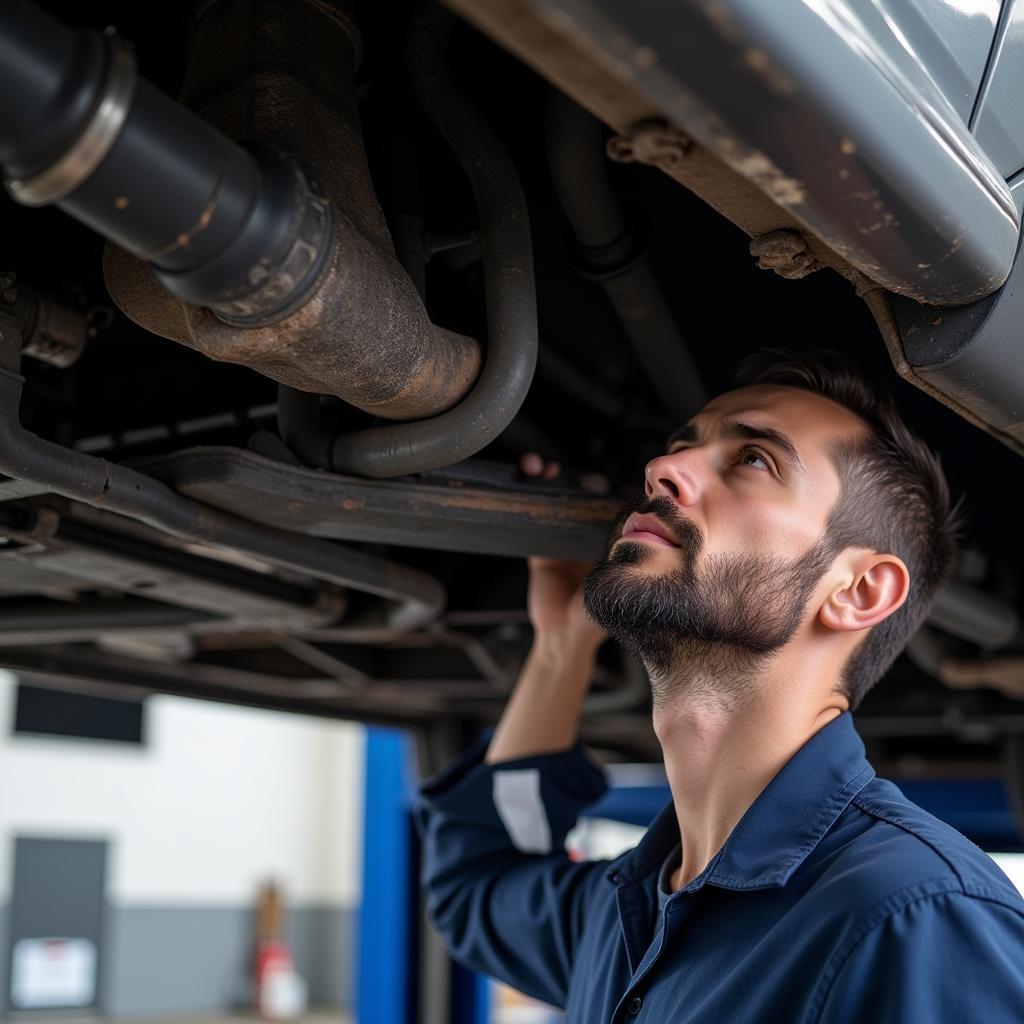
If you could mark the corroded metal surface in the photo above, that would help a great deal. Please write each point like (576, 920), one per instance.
(51, 331)
(451, 516)
(363, 333)
(651, 142)
(810, 113)
(393, 362)
(606, 88)
(785, 252)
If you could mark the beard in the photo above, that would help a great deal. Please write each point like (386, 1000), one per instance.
(709, 632)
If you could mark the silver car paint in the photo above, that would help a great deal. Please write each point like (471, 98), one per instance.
(821, 105)
(949, 39)
(999, 122)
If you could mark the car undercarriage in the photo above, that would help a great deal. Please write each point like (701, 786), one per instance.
(291, 480)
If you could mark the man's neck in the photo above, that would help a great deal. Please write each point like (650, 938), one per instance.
(720, 755)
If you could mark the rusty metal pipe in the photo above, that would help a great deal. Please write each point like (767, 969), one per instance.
(277, 252)
(509, 287)
(280, 72)
(398, 449)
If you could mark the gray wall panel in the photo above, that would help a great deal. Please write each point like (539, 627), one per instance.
(197, 959)
(176, 959)
(3, 956)
(323, 942)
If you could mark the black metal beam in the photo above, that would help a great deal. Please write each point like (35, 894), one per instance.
(529, 519)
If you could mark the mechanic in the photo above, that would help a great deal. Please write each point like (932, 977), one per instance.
(789, 543)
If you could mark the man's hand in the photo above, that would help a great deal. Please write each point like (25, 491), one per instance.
(555, 601)
(542, 715)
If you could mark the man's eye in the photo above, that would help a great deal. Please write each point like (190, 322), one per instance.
(751, 456)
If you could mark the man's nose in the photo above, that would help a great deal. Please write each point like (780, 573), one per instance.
(672, 476)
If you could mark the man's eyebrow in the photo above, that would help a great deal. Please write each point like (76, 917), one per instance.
(733, 429)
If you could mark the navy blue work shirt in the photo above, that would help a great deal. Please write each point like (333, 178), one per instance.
(835, 899)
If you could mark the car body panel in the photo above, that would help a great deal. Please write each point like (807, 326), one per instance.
(998, 123)
(802, 99)
(949, 39)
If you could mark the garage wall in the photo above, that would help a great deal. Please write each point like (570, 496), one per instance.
(216, 800)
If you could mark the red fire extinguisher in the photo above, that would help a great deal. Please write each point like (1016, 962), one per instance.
(278, 991)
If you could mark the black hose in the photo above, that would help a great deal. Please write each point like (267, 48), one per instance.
(611, 250)
(301, 428)
(575, 149)
(398, 449)
(419, 597)
(82, 620)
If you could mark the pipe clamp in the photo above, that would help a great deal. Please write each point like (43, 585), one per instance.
(75, 165)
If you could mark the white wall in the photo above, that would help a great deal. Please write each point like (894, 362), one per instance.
(216, 800)
(1012, 865)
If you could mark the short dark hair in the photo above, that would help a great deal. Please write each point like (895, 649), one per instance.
(894, 497)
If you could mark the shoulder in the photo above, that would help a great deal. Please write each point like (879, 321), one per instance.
(926, 954)
(903, 845)
(912, 911)
(885, 854)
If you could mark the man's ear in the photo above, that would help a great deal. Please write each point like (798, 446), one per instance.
(875, 586)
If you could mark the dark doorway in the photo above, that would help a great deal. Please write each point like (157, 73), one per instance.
(55, 940)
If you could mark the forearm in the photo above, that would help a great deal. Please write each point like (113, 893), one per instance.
(506, 898)
(542, 715)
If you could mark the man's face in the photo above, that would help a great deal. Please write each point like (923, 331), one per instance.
(718, 561)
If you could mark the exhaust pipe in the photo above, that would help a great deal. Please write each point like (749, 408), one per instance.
(80, 129)
(239, 252)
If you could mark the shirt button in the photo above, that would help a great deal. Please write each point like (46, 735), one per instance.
(633, 1006)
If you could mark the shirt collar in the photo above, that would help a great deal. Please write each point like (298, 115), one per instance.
(781, 827)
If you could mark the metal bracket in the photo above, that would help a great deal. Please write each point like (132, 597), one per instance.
(94, 141)
(785, 252)
(654, 142)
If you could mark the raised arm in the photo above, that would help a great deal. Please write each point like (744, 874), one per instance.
(500, 887)
(542, 715)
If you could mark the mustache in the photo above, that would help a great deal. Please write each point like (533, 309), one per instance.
(686, 533)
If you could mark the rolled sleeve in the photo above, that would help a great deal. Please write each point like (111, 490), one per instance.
(500, 887)
(946, 959)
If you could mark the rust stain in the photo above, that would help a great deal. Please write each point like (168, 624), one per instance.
(784, 190)
(185, 237)
(540, 508)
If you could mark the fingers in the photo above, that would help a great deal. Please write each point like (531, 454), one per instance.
(532, 464)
